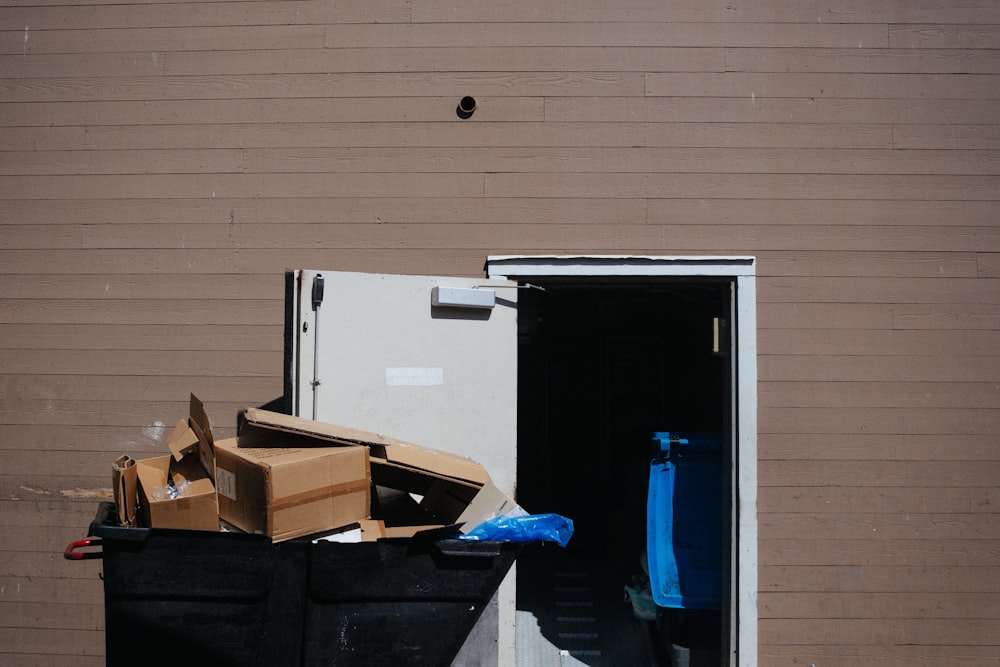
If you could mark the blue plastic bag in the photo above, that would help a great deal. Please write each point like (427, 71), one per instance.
(525, 528)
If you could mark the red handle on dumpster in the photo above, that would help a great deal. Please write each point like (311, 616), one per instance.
(71, 552)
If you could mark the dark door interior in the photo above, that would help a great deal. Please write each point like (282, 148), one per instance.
(603, 364)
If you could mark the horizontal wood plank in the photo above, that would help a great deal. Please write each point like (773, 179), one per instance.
(178, 112)
(44, 646)
(484, 132)
(841, 551)
(143, 312)
(42, 138)
(375, 234)
(191, 38)
(211, 262)
(924, 421)
(91, 443)
(748, 108)
(944, 36)
(962, 60)
(247, 185)
(853, 11)
(929, 474)
(856, 368)
(879, 605)
(96, 85)
(685, 212)
(853, 85)
(878, 656)
(253, 391)
(894, 294)
(469, 262)
(230, 288)
(143, 337)
(236, 363)
(866, 528)
(879, 579)
(976, 395)
(230, 13)
(840, 499)
(719, 186)
(328, 210)
(609, 33)
(52, 616)
(862, 632)
(63, 516)
(428, 59)
(88, 589)
(952, 317)
(945, 136)
(141, 414)
(600, 159)
(989, 265)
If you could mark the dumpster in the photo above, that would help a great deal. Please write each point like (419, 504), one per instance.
(684, 520)
(398, 601)
(175, 596)
(228, 598)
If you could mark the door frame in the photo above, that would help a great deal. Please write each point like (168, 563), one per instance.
(741, 270)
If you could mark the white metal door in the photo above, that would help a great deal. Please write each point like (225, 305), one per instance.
(374, 352)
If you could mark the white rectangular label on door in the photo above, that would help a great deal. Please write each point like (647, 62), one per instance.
(418, 377)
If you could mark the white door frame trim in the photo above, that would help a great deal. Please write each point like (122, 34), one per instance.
(742, 271)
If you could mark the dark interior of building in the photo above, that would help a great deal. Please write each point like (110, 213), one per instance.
(602, 366)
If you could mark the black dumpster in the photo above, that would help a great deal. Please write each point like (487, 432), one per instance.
(398, 601)
(174, 596)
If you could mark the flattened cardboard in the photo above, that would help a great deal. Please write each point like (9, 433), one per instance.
(290, 491)
(196, 509)
(490, 502)
(126, 490)
(383, 448)
(454, 489)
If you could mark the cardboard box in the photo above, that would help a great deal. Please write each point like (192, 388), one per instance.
(178, 491)
(287, 490)
(452, 489)
(191, 504)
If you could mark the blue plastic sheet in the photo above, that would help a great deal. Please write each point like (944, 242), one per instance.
(526, 528)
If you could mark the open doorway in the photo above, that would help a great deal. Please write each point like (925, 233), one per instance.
(604, 362)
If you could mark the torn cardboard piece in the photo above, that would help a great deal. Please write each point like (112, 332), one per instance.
(194, 435)
(453, 489)
(366, 530)
(125, 482)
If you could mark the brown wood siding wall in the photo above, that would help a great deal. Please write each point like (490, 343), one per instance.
(162, 164)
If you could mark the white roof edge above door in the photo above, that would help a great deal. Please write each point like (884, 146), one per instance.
(503, 266)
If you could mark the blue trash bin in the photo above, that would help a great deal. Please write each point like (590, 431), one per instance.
(684, 531)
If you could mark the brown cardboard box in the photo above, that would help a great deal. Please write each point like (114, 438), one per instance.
(290, 491)
(453, 489)
(195, 508)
